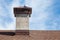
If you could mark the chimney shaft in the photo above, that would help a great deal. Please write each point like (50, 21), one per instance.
(22, 15)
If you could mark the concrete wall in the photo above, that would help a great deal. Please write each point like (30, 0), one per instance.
(22, 21)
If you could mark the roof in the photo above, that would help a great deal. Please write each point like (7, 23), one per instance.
(34, 35)
(7, 30)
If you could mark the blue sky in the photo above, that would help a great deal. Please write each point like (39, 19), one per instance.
(45, 14)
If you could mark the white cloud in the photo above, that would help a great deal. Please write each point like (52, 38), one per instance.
(39, 13)
(7, 12)
(7, 19)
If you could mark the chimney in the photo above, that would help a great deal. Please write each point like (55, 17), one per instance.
(22, 15)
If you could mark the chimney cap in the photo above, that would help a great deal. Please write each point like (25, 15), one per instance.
(22, 10)
(22, 7)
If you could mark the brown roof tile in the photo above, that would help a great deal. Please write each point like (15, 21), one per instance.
(34, 35)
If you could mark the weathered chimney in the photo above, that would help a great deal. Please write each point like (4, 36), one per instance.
(22, 15)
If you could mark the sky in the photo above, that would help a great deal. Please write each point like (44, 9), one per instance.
(45, 14)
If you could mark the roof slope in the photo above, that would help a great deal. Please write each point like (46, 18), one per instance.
(34, 35)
